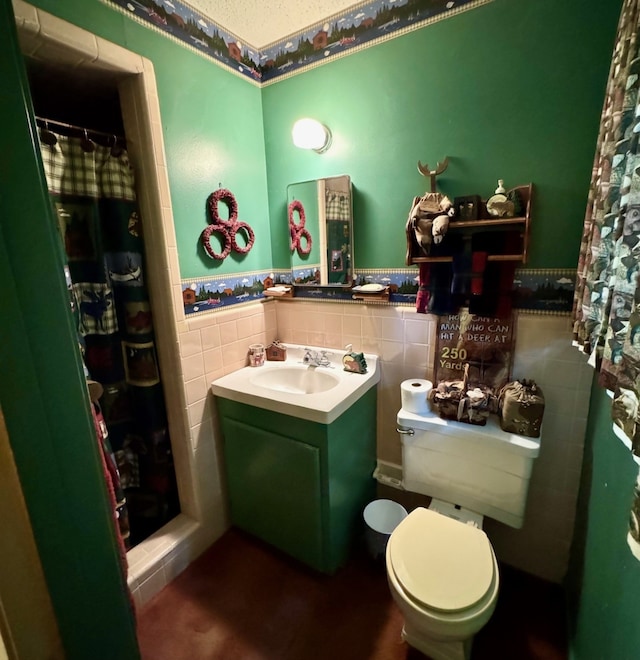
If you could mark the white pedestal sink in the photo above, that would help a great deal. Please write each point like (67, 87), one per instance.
(296, 379)
(315, 393)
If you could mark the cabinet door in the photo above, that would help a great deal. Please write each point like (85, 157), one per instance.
(274, 489)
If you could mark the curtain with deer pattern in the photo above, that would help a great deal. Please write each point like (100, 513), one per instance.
(607, 297)
(92, 189)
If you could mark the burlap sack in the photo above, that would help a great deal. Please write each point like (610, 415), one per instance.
(455, 399)
(521, 408)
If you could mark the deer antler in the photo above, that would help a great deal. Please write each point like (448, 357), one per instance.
(432, 174)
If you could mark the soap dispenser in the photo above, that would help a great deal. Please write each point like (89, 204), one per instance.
(354, 362)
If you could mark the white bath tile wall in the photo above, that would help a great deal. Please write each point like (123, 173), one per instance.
(153, 584)
(351, 325)
(417, 332)
(371, 327)
(192, 366)
(195, 390)
(389, 448)
(544, 353)
(215, 344)
(256, 326)
(175, 562)
(212, 345)
(245, 329)
(181, 361)
(209, 476)
(203, 434)
(234, 354)
(222, 339)
(393, 328)
(228, 332)
(213, 367)
(391, 351)
(415, 356)
(333, 323)
(190, 344)
(210, 335)
(398, 335)
(198, 413)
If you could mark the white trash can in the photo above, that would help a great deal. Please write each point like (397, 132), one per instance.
(381, 517)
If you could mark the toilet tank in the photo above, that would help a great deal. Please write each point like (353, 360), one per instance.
(481, 468)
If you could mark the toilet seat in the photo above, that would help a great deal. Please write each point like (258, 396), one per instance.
(443, 564)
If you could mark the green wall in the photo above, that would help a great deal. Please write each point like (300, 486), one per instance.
(604, 577)
(511, 90)
(44, 398)
(213, 135)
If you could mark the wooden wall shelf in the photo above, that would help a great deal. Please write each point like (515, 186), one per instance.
(374, 296)
(442, 254)
(445, 260)
(279, 294)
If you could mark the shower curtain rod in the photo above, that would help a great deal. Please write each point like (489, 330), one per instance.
(54, 122)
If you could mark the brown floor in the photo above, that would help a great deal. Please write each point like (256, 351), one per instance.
(243, 600)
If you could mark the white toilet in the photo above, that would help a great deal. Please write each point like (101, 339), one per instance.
(441, 568)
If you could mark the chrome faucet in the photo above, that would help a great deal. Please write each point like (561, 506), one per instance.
(316, 359)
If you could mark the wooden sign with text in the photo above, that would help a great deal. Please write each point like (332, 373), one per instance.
(486, 344)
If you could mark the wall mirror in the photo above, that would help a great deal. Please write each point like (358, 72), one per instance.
(320, 215)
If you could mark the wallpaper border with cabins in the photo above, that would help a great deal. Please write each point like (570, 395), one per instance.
(360, 26)
(540, 291)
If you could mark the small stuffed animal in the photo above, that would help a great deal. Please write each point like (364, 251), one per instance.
(429, 219)
(440, 226)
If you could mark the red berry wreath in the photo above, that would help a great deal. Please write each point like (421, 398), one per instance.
(233, 232)
(226, 241)
(227, 228)
(226, 196)
(299, 230)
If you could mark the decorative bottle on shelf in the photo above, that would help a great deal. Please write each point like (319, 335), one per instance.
(499, 206)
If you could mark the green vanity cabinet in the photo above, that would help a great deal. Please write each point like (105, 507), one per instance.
(300, 486)
(275, 489)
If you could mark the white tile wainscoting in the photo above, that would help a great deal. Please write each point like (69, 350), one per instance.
(216, 343)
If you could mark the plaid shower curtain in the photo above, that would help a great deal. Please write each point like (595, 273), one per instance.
(92, 189)
(607, 297)
(338, 218)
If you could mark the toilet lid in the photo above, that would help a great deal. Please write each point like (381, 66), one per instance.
(440, 562)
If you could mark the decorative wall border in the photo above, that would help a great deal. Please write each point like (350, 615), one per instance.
(193, 30)
(364, 24)
(537, 291)
(545, 291)
(208, 294)
(305, 273)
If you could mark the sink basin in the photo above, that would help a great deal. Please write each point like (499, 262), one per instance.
(295, 379)
(317, 394)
